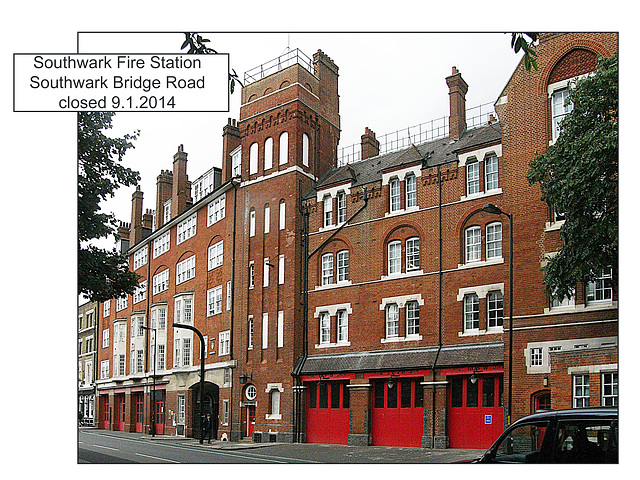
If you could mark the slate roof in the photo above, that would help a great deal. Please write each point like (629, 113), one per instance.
(414, 358)
(436, 152)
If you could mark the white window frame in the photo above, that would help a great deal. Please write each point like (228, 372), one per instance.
(250, 333)
(472, 177)
(267, 218)
(265, 330)
(253, 158)
(224, 343)
(166, 211)
(215, 255)
(162, 244)
(601, 289)
(105, 338)
(609, 382)
(236, 163)
(325, 328)
(140, 257)
(327, 269)
(305, 149)
(581, 394)
(284, 148)
(161, 281)
(265, 272)
(473, 244)
(187, 228)
(412, 313)
(471, 310)
(282, 215)
(228, 295)
(252, 222)
(121, 303)
(341, 202)
(411, 191)
(394, 195)
(216, 210)
(281, 270)
(140, 293)
(104, 369)
(342, 264)
(536, 357)
(161, 357)
(327, 206)
(225, 412)
(106, 309)
(560, 108)
(491, 173)
(252, 272)
(214, 301)
(186, 270)
(394, 257)
(280, 329)
(495, 309)
(342, 321)
(493, 234)
(268, 153)
(392, 320)
(187, 356)
(412, 247)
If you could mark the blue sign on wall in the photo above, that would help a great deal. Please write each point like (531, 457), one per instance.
(488, 419)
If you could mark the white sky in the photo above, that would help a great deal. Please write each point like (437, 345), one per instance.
(387, 82)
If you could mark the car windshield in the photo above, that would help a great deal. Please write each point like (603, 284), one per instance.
(586, 441)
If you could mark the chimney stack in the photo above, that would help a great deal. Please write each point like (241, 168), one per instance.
(147, 220)
(457, 107)
(230, 141)
(369, 146)
(181, 194)
(136, 216)
(164, 184)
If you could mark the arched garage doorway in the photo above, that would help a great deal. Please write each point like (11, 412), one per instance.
(210, 400)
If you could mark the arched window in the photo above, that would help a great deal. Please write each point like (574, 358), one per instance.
(282, 214)
(252, 222)
(284, 148)
(274, 396)
(394, 257)
(253, 158)
(268, 153)
(305, 149)
(413, 253)
(472, 244)
(327, 269)
(267, 218)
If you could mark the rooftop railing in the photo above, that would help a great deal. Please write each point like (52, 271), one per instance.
(417, 134)
(279, 63)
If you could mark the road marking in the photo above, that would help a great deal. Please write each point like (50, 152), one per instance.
(157, 458)
(108, 448)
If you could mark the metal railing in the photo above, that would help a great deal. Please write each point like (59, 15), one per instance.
(417, 134)
(279, 63)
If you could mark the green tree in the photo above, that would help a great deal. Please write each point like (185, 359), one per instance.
(578, 175)
(102, 274)
(519, 42)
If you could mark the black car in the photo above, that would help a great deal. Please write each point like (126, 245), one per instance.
(585, 435)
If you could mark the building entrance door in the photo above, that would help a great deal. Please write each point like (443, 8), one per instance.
(251, 419)
(328, 412)
(160, 417)
(120, 412)
(105, 411)
(397, 416)
(139, 404)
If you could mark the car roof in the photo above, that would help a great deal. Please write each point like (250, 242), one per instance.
(574, 413)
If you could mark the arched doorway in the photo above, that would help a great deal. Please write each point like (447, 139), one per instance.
(210, 400)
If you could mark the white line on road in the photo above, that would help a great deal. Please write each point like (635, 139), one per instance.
(108, 448)
(157, 458)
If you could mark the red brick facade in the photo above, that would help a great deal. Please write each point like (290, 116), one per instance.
(386, 287)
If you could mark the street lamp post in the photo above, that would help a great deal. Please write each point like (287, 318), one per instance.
(153, 395)
(202, 348)
(491, 208)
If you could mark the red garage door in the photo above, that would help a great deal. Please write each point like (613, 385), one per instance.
(475, 410)
(397, 419)
(328, 412)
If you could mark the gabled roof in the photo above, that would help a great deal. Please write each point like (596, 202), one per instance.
(431, 154)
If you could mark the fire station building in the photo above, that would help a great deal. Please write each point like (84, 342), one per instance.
(362, 302)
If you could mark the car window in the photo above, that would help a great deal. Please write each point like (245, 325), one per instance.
(522, 443)
(586, 441)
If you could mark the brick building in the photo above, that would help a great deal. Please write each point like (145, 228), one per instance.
(365, 303)
(87, 360)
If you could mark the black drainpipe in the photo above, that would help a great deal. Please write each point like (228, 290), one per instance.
(233, 283)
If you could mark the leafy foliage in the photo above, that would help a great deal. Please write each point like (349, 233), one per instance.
(519, 42)
(578, 175)
(102, 274)
(196, 44)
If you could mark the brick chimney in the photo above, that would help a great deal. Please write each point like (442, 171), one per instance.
(136, 216)
(123, 236)
(457, 116)
(164, 184)
(181, 192)
(369, 146)
(147, 219)
(230, 141)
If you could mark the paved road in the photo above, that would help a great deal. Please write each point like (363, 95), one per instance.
(100, 446)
